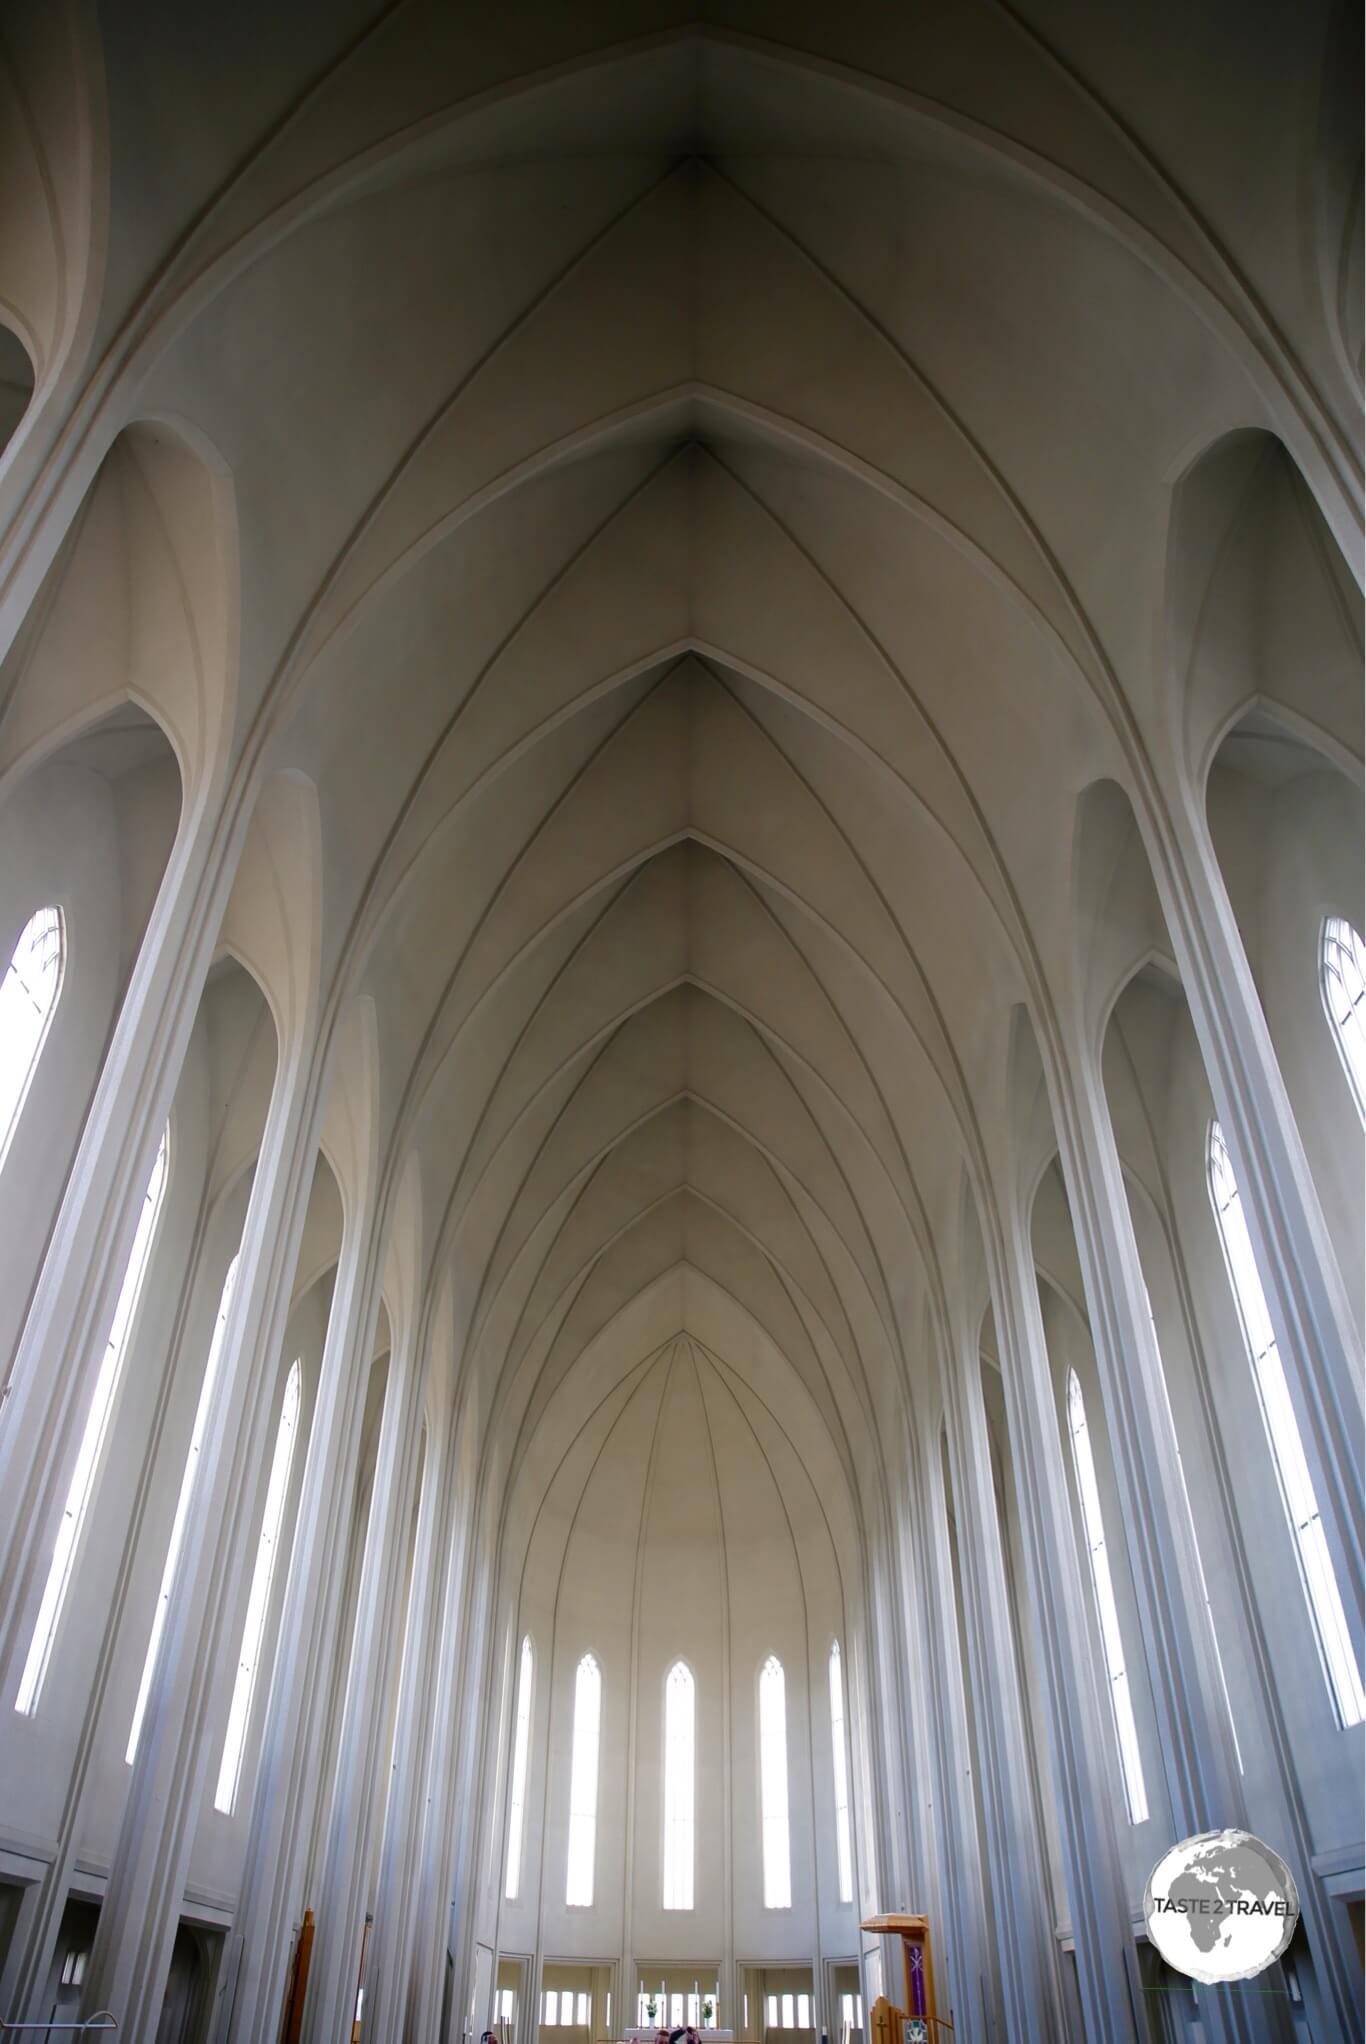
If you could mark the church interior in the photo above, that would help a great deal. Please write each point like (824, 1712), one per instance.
(683, 1036)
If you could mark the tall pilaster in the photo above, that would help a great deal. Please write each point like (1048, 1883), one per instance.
(1310, 1308)
(391, 1944)
(1021, 1928)
(132, 1948)
(1106, 1964)
(340, 1906)
(68, 1322)
(289, 1779)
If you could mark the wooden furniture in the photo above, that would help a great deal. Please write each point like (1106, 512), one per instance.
(298, 1982)
(918, 2022)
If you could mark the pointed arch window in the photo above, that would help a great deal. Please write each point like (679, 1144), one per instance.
(182, 1510)
(773, 1785)
(29, 993)
(840, 1753)
(680, 1753)
(92, 1441)
(583, 1784)
(1121, 1702)
(521, 1752)
(1340, 1669)
(1342, 975)
(258, 1603)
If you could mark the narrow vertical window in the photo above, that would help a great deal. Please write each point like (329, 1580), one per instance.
(258, 1603)
(1340, 1669)
(521, 1748)
(28, 1001)
(1342, 975)
(1121, 1703)
(583, 1785)
(679, 1749)
(840, 1754)
(92, 1443)
(773, 1787)
(182, 1510)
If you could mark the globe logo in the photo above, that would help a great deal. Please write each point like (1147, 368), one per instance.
(1221, 1906)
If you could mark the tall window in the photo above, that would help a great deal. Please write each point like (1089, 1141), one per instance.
(1121, 1703)
(262, 1575)
(583, 1784)
(92, 1443)
(1343, 977)
(521, 1750)
(28, 1000)
(840, 1754)
(182, 1510)
(1340, 1668)
(679, 1751)
(773, 1786)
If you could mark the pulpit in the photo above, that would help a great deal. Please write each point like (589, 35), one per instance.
(917, 2022)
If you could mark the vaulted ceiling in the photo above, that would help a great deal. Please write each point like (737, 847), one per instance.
(703, 495)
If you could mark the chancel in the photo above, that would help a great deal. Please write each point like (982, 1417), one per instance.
(683, 1016)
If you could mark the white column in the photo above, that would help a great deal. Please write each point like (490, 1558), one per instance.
(459, 1709)
(289, 1778)
(132, 1948)
(391, 1942)
(73, 1304)
(340, 1905)
(1107, 1966)
(963, 1877)
(1021, 1927)
(1308, 1301)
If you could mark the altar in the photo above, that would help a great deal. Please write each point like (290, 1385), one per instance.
(652, 2031)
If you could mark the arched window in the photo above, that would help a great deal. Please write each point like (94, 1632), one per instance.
(680, 1711)
(1342, 975)
(182, 1510)
(28, 1001)
(1340, 1669)
(583, 1785)
(1121, 1703)
(92, 1442)
(773, 1784)
(521, 1750)
(258, 1603)
(843, 1849)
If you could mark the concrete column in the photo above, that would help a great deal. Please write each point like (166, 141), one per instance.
(60, 1350)
(132, 1947)
(1107, 1966)
(391, 1942)
(1309, 1304)
(454, 1830)
(1021, 1929)
(963, 1877)
(341, 1901)
(289, 1779)
(1195, 1736)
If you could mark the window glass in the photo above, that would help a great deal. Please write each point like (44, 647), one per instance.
(182, 1510)
(1121, 1703)
(583, 1784)
(521, 1748)
(82, 1483)
(679, 1737)
(773, 1786)
(1343, 978)
(28, 1000)
(1340, 1668)
(843, 1850)
(258, 1603)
